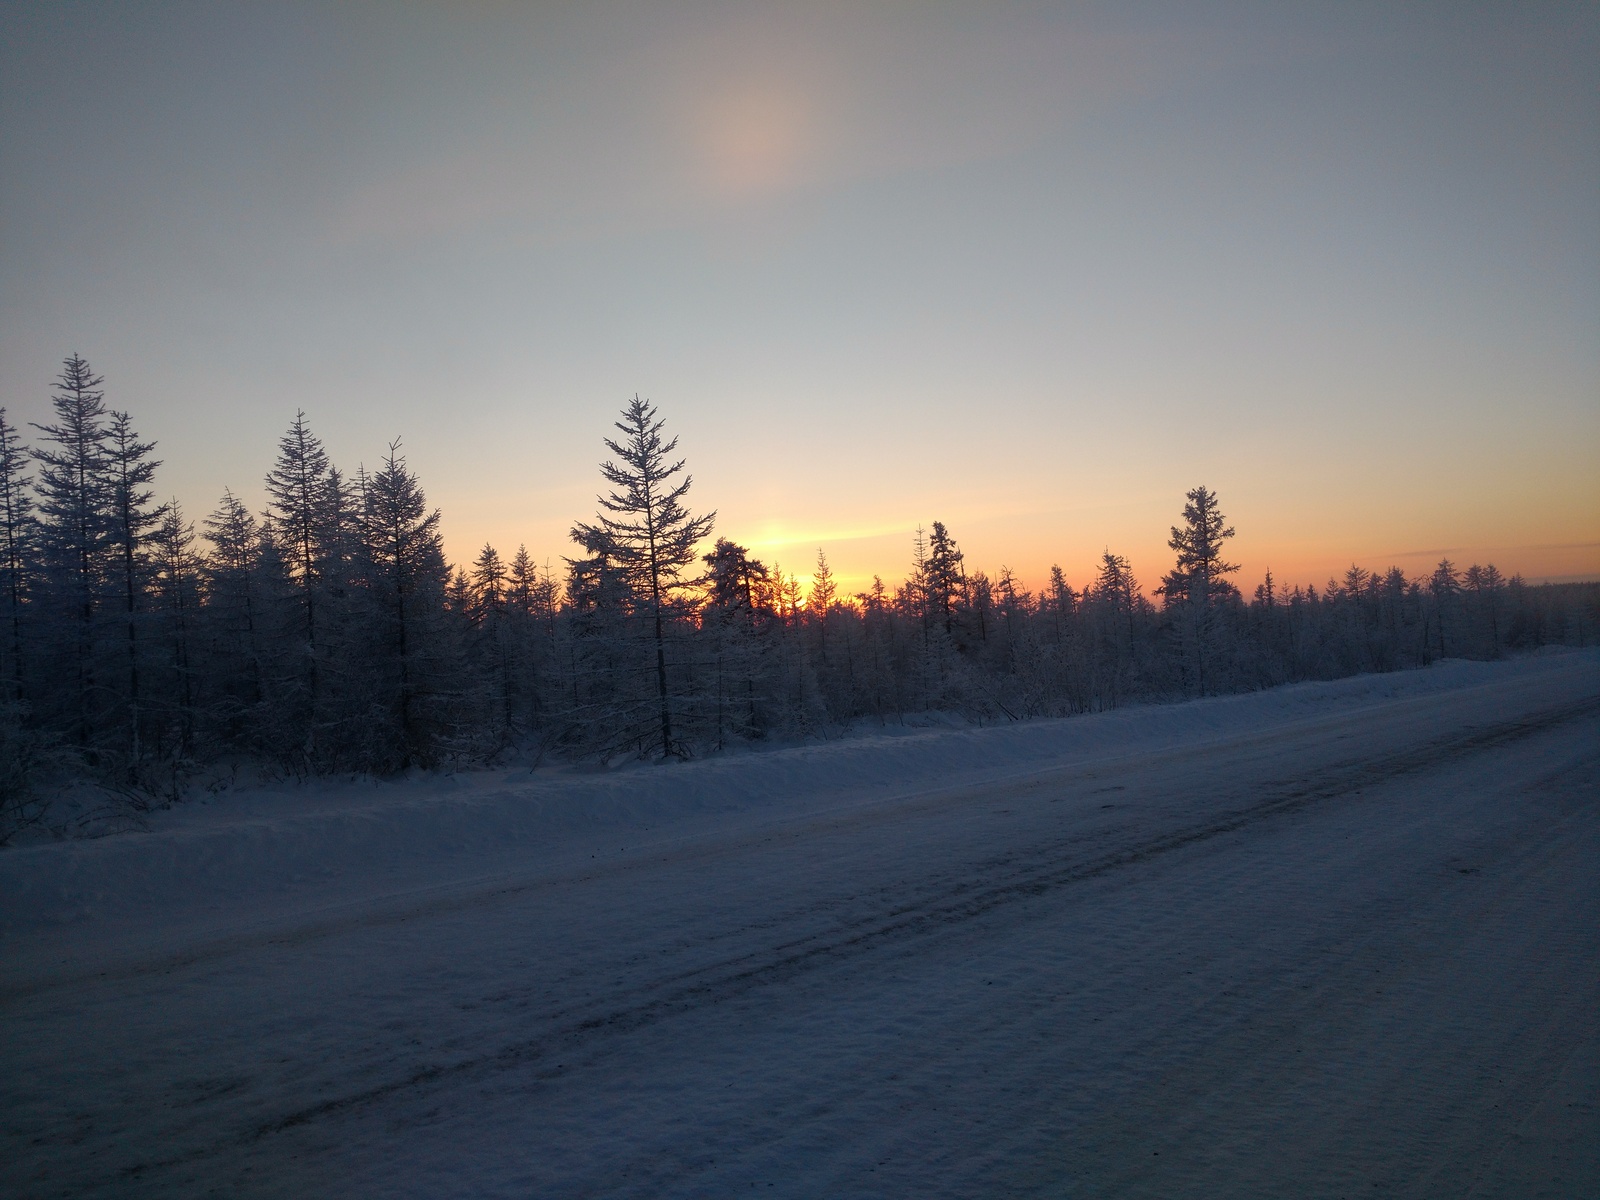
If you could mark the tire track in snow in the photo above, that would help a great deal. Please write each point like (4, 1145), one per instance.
(978, 889)
(114, 961)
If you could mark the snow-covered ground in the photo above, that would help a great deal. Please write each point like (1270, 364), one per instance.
(1334, 939)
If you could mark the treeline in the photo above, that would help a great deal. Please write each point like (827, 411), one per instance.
(329, 634)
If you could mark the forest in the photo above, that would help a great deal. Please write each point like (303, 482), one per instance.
(329, 633)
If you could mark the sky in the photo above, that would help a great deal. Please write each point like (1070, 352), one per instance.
(1032, 270)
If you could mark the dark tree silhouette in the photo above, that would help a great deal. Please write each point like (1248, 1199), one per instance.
(944, 577)
(16, 519)
(129, 470)
(177, 587)
(301, 492)
(408, 570)
(329, 634)
(648, 532)
(74, 524)
(1198, 583)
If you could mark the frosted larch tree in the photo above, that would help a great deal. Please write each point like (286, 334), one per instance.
(650, 535)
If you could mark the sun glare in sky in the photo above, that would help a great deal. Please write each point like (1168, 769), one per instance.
(1031, 272)
(753, 137)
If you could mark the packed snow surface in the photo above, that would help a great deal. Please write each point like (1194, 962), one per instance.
(1330, 940)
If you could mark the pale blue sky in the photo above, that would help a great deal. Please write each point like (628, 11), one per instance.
(1032, 270)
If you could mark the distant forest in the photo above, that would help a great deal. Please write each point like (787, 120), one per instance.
(329, 633)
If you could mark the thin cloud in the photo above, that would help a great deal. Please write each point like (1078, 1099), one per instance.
(764, 108)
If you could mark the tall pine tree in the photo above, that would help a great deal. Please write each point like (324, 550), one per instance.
(301, 492)
(647, 531)
(129, 471)
(408, 577)
(16, 521)
(75, 525)
(1197, 587)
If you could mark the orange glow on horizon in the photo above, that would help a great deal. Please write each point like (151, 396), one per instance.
(1030, 549)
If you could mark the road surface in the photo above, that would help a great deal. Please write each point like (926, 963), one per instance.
(1351, 955)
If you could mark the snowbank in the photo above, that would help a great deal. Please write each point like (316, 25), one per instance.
(312, 843)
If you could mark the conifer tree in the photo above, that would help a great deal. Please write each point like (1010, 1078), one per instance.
(458, 597)
(489, 578)
(1012, 608)
(489, 613)
(944, 576)
(648, 533)
(832, 619)
(16, 517)
(74, 518)
(523, 581)
(177, 586)
(821, 599)
(234, 600)
(129, 471)
(980, 601)
(1116, 583)
(1200, 574)
(738, 611)
(914, 592)
(1444, 585)
(1486, 583)
(409, 574)
(1356, 581)
(1197, 584)
(1059, 599)
(1116, 598)
(735, 582)
(1267, 592)
(301, 492)
(603, 691)
(546, 593)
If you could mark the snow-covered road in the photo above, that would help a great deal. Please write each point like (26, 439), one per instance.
(1335, 940)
